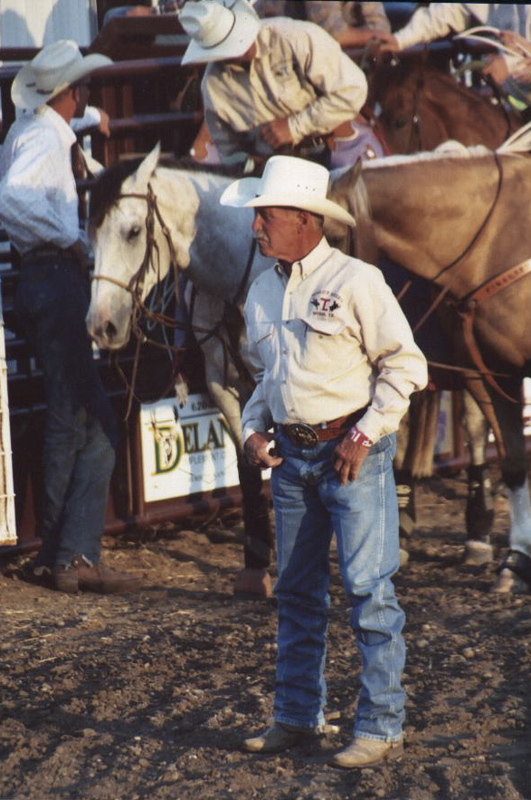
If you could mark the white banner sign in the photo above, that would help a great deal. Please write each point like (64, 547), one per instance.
(185, 450)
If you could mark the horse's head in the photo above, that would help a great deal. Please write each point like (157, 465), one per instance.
(395, 94)
(419, 105)
(129, 248)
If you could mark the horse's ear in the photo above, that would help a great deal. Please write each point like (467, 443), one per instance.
(148, 166)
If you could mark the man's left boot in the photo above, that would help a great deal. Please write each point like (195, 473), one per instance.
(367, 753)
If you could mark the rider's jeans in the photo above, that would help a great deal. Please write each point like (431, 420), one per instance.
(310, 505)
(80, 426)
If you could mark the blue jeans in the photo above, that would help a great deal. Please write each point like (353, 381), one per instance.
(310, 505)
(80, 427)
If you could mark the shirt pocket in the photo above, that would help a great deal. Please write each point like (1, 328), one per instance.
(323, 344)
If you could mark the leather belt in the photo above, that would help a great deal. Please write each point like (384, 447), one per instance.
(46, 251)
(304, 435)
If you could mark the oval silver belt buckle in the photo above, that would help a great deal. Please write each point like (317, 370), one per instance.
(301, 434)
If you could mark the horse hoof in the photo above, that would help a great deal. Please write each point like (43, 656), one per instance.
(507, 581)
(478, 553)
(253, 584)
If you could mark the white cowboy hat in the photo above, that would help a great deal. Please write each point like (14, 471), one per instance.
(53, 69)
(218, 32)
(287, 181)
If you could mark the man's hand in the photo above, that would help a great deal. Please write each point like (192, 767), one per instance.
(497, 69)
(276, 133)
(258, 451)
(388, 43)
(82, 253)
(104, 126)
(517, 42)
(350, 454)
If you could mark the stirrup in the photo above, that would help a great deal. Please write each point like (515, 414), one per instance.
(518, 563)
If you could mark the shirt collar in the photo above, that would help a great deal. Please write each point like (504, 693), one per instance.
(61, 125)
(311, 262)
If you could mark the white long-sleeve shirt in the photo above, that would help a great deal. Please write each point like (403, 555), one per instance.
(327, 341)
(299, 72)
(38, 196)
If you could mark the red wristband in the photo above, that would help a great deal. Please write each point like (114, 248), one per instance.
(358, 437)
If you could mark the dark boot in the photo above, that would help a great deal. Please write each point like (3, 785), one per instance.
(254, 579)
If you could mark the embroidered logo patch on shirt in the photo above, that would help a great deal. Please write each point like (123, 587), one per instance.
(324, 303)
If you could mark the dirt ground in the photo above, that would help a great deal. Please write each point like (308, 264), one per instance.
(149, 695)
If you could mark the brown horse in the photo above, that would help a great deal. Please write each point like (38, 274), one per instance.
(419, 106)
(456, 220)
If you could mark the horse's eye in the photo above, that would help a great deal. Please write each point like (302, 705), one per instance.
(399, 123)
(133, 233)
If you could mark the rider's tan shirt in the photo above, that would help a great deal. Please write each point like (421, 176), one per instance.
(327, 341)
(299, 72)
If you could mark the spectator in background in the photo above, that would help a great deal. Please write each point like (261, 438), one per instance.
(351, 24)
(156, 7)
(274, 85)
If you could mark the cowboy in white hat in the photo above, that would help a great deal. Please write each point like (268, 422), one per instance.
(272, 84)
(335, 363)
(53, 70)
(39, 211)
(29, 89)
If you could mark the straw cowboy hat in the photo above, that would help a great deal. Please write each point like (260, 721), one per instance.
(56, 67)
(218, 32)
(287, 181)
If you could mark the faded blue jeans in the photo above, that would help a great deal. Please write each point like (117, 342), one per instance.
(310, 506)
(80, 427)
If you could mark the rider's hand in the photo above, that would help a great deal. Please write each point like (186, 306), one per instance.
(496, 68)
(523, 72)
(81, 251)
(388, 43)
(276, 133)
(517, 42)
(350, 454)
(258, 451)
(104, 125)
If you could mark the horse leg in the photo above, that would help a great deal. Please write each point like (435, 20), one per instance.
(405, 490)
(479, 514)
(515, 572)
(506, 418)
(229, 392)
(414, 458)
